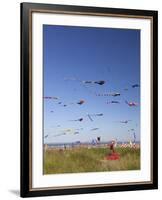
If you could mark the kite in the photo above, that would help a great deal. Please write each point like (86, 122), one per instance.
(98, 139)
(134, 136)
(109, 94)
(90, 118)
(68, 130)
(81, 119)
(55, 135)
(87, 81)
(113, 102)
(131, 103)
(75, 120)
(59, 134)
(80, 102)
(104, 94)
(124, 121)
(100, 114)
(101, 82)
(114, 94)
(75, 133)
(135, 85)
(94, 129)
(94, 115)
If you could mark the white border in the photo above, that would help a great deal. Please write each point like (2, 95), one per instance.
(40, 180)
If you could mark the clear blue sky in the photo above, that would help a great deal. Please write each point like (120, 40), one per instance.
(90, 54)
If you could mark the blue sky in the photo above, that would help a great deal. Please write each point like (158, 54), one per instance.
(85, 53)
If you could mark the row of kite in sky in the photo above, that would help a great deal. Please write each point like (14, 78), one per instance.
(80, 102)
(69, 131)
(99, 82)
(77, 131)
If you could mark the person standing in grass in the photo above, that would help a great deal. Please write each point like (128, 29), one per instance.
(112, 149)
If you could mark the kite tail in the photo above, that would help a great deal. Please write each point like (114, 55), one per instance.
(90, 118)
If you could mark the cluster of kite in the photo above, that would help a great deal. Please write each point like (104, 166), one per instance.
(82, 101)
(99, 82)
(116, 94)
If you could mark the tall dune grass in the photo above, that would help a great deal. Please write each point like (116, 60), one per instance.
(89, 160)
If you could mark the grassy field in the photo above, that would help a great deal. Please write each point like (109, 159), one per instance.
(89, 160)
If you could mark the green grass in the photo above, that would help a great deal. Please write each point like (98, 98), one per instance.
(89, 160)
